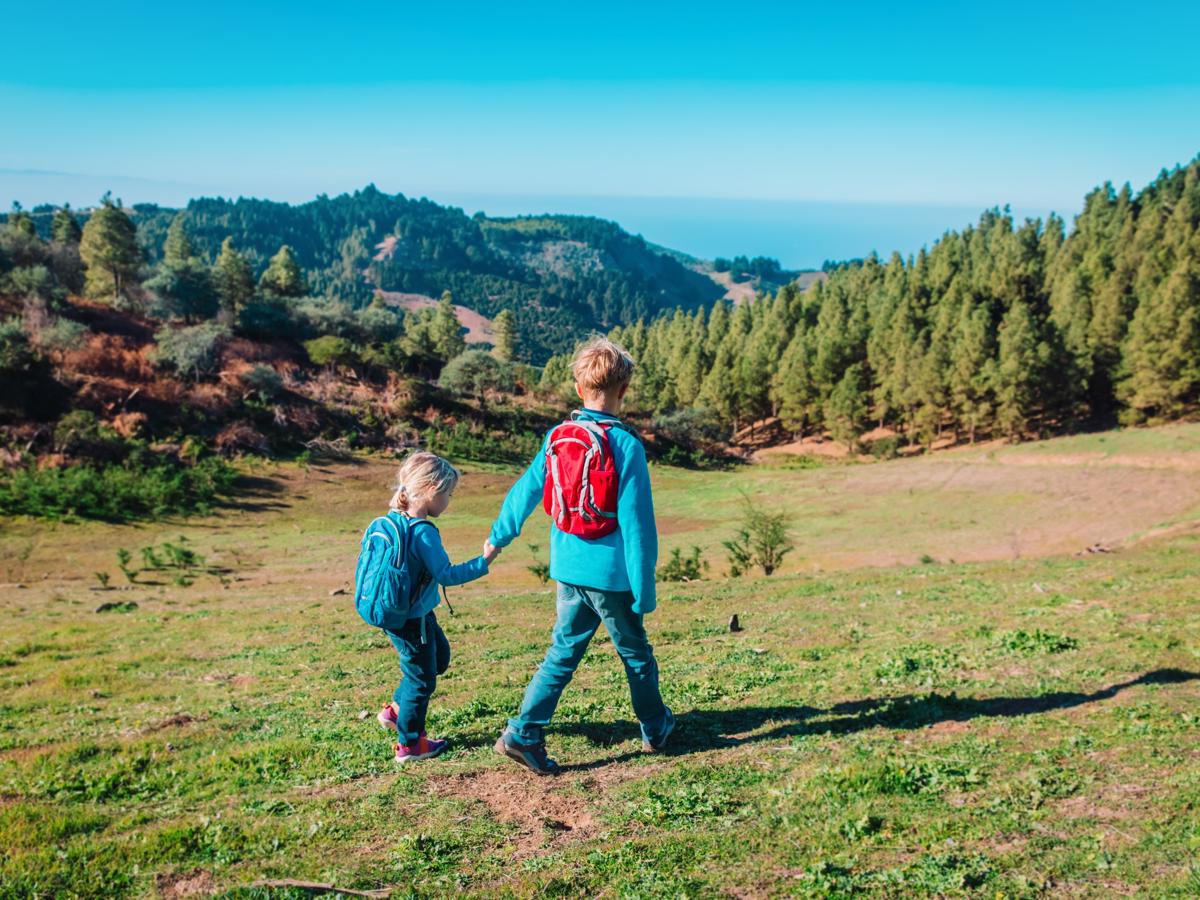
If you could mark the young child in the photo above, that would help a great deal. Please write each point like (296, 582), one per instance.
(609, 578)
(424, 486)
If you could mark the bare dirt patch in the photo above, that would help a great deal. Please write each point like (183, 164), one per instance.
(195, 883)
(542, 811)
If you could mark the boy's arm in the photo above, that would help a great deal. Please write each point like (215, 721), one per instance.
(428, 544)
(635, 514)
(522, 498)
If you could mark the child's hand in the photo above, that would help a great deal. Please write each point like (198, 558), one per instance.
(490, 552)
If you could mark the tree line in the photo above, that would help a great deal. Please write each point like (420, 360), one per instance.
(559, 275)
(1001, 329)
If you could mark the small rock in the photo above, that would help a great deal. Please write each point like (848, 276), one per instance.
(363, 713)
(337, 592)
(734, 624)
(19, 587)
(170, 747)
(1037, 587)
(758, 651)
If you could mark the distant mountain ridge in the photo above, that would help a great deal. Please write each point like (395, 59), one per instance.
(561, 275)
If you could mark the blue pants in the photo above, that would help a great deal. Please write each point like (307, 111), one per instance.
(424, 655)
(580, 612)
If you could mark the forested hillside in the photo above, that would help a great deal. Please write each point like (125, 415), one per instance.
(1002, 329)
(560, 275)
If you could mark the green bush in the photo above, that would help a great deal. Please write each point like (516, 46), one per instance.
(474, 373)
(690, 427)
(762, 540)
(263, 381)
(330, 350)
(142, 487)
(25, 374)
(683, 568)
(886, 447)
(81, 435)
(464, 441)
(267, 319)
(191, 352)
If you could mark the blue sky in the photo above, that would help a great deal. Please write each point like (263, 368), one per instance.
(802, 132)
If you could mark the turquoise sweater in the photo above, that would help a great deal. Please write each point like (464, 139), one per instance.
(624, 560)
(427, 547)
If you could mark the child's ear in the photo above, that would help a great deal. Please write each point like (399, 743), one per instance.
(579, 391)
(621, 392)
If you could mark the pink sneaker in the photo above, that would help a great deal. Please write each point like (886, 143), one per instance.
(387, 718)
(422, 748)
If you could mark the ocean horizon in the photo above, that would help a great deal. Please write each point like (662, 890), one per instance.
(800, 234)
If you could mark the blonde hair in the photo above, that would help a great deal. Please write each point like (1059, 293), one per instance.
(600, 366)
(421, 476)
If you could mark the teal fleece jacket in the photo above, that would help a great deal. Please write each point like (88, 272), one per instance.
(624, 560)
(427, 547)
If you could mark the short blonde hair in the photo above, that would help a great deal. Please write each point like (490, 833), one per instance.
(600, 365)
(421, 476)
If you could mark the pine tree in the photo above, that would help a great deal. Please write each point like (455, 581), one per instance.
(233, 277)
(109, 249)
(177, 250)
(1162, 354)
(792, 388)
(445, 329)
(20, 222)
(283, 277)
(846, 408)
(971, 376)
(1018, 371)
(65, 227)
(505, 328)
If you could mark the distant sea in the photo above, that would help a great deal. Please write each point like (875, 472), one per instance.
(800, 234)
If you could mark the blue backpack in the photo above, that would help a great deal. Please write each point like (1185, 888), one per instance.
(385, 580)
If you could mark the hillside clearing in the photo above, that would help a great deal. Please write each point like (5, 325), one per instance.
(1015, 727)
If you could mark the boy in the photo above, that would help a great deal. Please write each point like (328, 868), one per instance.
(609, 578)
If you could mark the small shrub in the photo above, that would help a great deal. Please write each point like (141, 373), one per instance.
(762, 540)
(683, 568)
(330, 350)
(540, 570)
(263, 381)
(102, 577)
(58, 335)
(690, 427)
(474, 373)
(1027, 643)
(462, 440)
(191, 352)
(886, 447)
(81, 435)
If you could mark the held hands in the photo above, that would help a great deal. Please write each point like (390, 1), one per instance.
(490, 552)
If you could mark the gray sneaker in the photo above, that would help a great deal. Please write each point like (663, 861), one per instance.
(531, 756)
(660, 743)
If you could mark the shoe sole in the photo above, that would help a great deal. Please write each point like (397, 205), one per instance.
(504, 750)
(401, 760)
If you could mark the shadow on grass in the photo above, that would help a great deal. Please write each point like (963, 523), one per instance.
(701, 730)
(254, 493)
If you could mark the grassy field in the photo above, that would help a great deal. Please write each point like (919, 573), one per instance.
(938, 695)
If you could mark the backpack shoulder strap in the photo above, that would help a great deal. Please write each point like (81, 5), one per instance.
(578, 418)
(400, 546)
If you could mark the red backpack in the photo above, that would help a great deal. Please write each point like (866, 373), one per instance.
(580, 492)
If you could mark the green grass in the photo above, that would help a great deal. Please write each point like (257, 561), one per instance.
(1014, 728)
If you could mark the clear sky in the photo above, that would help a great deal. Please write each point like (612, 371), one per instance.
(712, 127)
